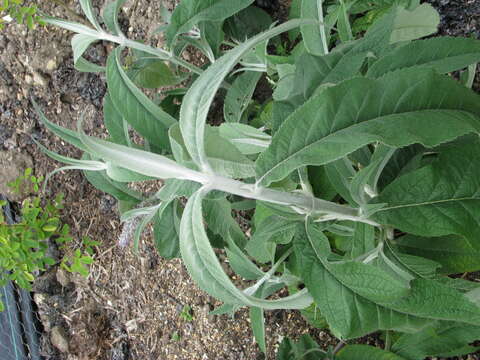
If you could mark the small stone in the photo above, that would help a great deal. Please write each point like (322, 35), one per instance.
(131, 325)
(58, 337)
(39, 298)
(10, 144)
(45, 319)
(51, 65)
(63, 277)
(28, 79)
(39, 79)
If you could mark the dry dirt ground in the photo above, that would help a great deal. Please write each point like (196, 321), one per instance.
(130, 305)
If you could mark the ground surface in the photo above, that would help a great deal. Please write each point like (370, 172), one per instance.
(129, 307)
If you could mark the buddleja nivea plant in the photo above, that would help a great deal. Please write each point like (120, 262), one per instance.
(361, 172)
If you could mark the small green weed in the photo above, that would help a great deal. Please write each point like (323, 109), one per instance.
(21, 13)
(186, 313)
(24, 245)
(176, 336)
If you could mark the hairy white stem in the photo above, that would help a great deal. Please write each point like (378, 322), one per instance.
(122, 41)
(309, 204)
(253, 289)
(158, 52)
(323, 34)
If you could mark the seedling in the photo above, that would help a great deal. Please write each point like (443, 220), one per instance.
(186, 313)
(24, 245)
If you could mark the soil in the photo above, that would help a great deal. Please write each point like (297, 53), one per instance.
(130, 305)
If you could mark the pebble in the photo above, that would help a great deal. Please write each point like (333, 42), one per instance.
(51, 65)
(58, 337)
(39, 79)
(63, 277)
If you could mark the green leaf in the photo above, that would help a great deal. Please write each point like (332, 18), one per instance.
(240, 262)
(458, 283)
(70, 25)
(199, 97)
(139, 161)
(404, 160)
(166, 229)
(322, 187)
(353, 309)
(413, 24)
(343, 24)
(110, 16)
(271, 231)
(191, 12)
(83, 65)
(219, 220)
(87, 9)
(174, 188)
(30, 22)
(444, 54)
(295, 12)
(454, 253)
(88, 164)
(224, 158)
(123, 175)
(156, 74)
(414, 265)
(313, 317)
(212, 35)
(146, 214)
(362, 186)
(247, 23)
(438, 340)
(68, 135)
(314, 35)
(205, 269)
(304, 349)
(239, 95)
(114, 122)
(119, 191)
(363, 23)
(340, 173)
(257, 322)
(283, 90)
(247, 139)
(438, 199)
(377, 38)
(363, 240)
(365, 352)
(138, 110)
(345, 117)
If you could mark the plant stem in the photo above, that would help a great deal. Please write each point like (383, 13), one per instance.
(304, 181)
(388, 340)
(122, 41)
(339, 347)
(323, 34)
(158, 52)
(303, 203)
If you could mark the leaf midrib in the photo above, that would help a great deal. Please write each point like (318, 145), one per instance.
(427, 203)
(350, 127)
